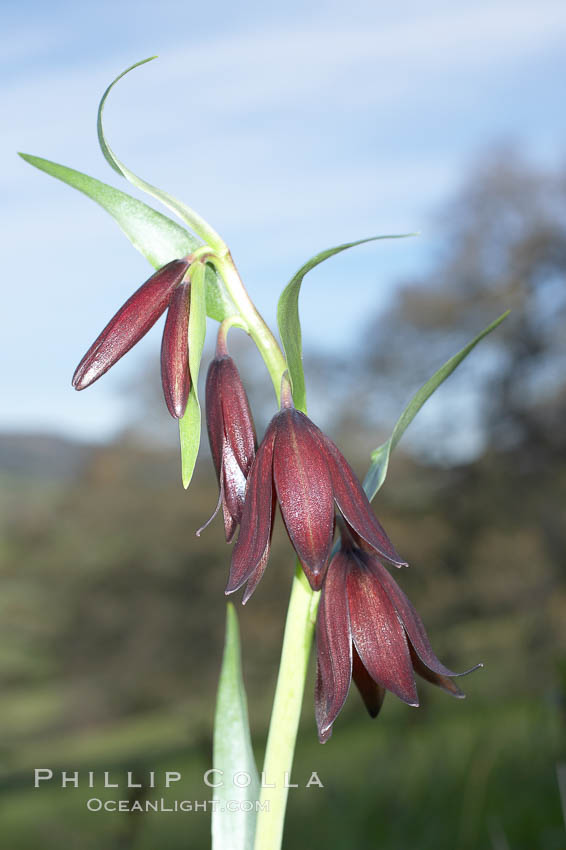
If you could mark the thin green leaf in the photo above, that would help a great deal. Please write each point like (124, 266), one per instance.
(380, 456)
(190, 424)
(232, 749)
(185, 213)
(288, 317)
(155, 235)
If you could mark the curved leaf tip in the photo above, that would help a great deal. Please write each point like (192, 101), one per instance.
(379, 465)
(288, 314)
(187, 215)
(105, 148)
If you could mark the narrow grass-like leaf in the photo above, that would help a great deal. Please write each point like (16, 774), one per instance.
(190, 424)
(154, 235)
(380, 456)
(157, 237)
(288, 316)
(232, 749)
(185, 213)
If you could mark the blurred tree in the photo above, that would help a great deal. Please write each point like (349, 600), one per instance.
(505, 248)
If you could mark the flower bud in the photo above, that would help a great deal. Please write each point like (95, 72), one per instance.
(130, 324)
(175, 375)
(231, 434)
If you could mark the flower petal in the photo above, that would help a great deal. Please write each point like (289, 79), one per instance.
(214, 418)
(231, 434)
(324, 730)
(410, 619)
(372, 692)
(236, 415)
(378, 634)
(175, 375)
(334, 648)
(255, 577)
(228, 414)
(304, 490)
(231, 500)
(441, 681)
(233, 485)
(354, 505)
(131, 322)
(257, 516)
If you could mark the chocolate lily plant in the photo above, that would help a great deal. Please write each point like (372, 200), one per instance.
(343, 590)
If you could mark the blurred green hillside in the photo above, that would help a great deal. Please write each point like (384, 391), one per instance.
(111, 635)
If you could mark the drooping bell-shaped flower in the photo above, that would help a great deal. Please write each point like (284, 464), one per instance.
(367, 630)
(132, 321)
(299, 467)
(175, 375)
(231, 434)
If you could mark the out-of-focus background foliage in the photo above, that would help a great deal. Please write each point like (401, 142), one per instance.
(112, 611)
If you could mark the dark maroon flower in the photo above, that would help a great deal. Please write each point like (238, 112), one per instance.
(175, 375)
(302, 469)
(368, 630)
(131, 322)
(231, 434)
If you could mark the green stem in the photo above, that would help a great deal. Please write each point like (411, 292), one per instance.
(297, 642)
(301, 615)
(256, 326)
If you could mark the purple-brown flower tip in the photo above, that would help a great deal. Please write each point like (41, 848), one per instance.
(232, 437)
(369, 631)
(175, 375)
(304, 471)
(132, 321)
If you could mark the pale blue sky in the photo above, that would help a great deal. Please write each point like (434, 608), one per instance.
(290, 127)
